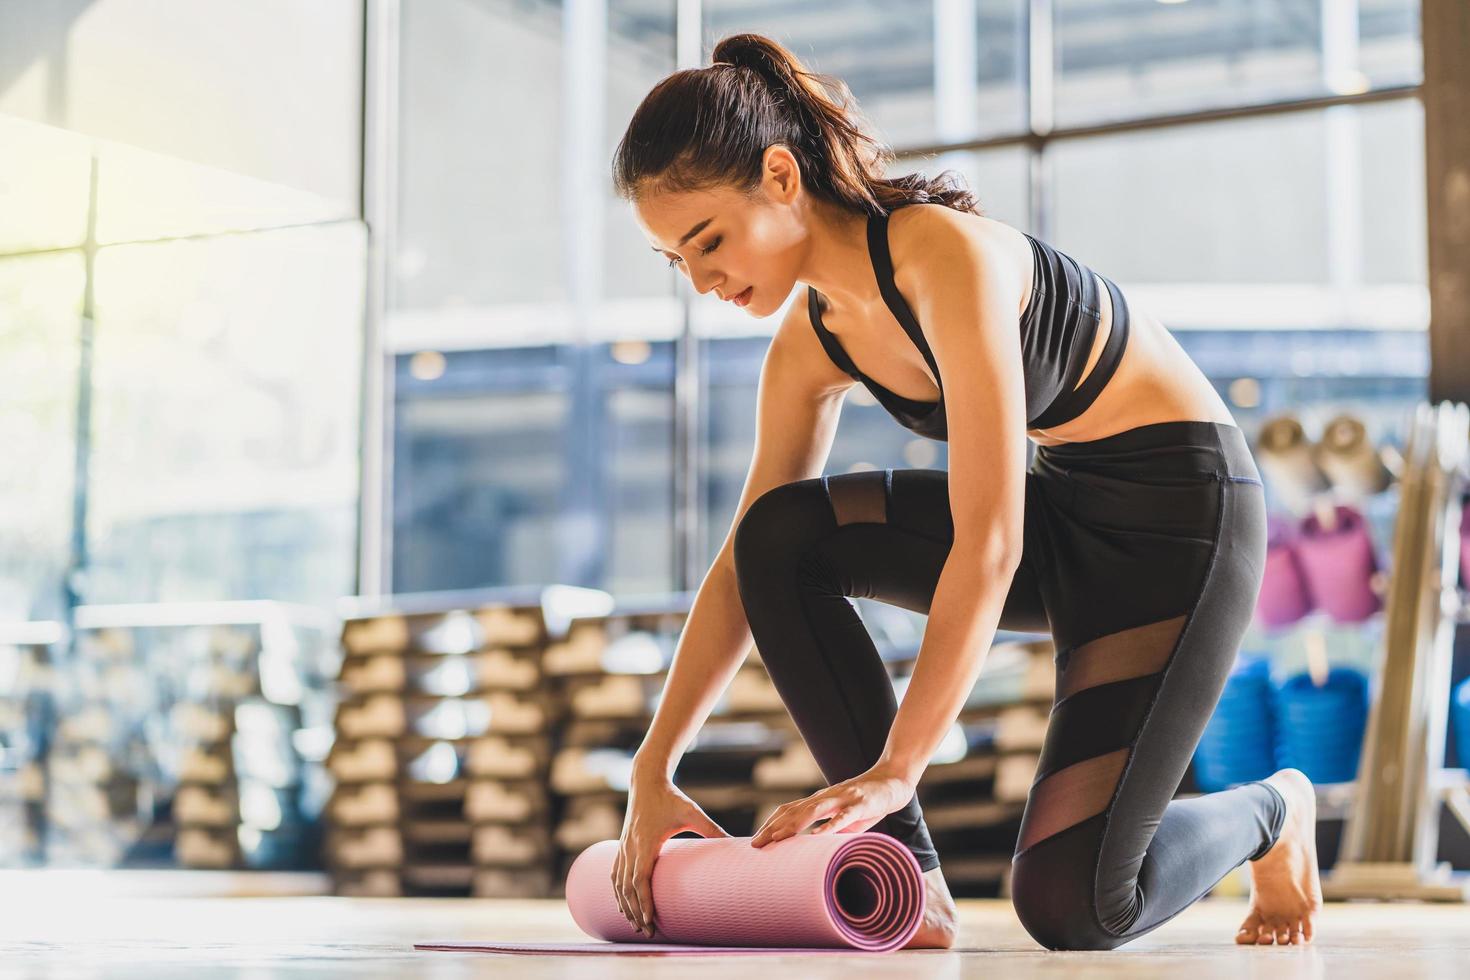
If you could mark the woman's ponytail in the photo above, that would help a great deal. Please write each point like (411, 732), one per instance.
(705, 127)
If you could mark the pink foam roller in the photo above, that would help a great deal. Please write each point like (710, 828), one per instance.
(1339, 565)
(826, 891)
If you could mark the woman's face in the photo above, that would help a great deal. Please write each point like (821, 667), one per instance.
(750, 248)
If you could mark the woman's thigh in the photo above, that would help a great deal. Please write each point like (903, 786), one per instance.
(894, 533)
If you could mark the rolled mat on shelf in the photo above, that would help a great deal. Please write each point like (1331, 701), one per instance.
(1320, 727)
(1465, 545)
(1337, 558)
(1283, 598)
(1350, 459)
(1460, 721)
(1287, 461)
(1238, 743)
(847, 892)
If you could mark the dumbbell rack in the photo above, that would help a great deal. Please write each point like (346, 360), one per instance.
(509, 809)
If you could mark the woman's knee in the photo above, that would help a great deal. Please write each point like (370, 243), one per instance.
(1054, 902)
(777, 525)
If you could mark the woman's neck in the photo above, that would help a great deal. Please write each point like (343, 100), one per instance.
(837, 262)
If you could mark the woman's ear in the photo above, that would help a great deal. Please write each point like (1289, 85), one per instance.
(782, 174)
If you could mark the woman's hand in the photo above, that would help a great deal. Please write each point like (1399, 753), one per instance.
(657, 810)
(850, 806)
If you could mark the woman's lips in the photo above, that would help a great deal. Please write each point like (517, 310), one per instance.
(743, 297)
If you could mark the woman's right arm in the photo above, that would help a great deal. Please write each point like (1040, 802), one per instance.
(798, 401)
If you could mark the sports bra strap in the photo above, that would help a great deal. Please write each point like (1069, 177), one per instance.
(883, 269)
(833, 348)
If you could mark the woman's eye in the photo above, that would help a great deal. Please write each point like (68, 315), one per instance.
(703, 251)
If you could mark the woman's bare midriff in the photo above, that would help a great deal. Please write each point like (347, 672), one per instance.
(1156, 381)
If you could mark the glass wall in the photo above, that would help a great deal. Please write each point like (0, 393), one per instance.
(181, 301)
(1285, 250)
(1118, 59)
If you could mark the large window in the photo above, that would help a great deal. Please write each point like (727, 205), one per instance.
(181, 301)
(1126, 58)
(532, 465)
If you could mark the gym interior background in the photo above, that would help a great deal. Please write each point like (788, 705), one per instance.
(363, 461)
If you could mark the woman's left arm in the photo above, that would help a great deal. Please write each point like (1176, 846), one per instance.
(967, 299)
(968, 303)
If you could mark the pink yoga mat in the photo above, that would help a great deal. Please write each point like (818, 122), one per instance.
(825, 891)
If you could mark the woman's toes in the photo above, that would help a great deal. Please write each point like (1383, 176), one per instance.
(1264, 935)
(1248, 928)
(1283, 934)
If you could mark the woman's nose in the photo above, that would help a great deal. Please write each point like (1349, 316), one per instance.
(704, 284)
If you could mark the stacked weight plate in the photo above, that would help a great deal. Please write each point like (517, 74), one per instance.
(102, 779)
(25, 682)
(442, 745)
(186, 735)
(251, 782)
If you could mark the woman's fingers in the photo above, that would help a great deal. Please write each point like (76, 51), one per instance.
(643, 894)
(617, 882)
(624, 888)
(834, 823)
(790, 819)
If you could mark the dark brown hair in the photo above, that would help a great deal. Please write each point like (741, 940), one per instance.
(701, 128)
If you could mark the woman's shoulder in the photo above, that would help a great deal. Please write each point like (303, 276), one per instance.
(931, 239)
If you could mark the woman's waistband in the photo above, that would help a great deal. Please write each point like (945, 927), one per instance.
(1179, 447)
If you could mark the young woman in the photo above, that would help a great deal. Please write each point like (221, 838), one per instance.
(1135, 538)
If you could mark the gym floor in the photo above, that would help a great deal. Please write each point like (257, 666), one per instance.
(201, 924)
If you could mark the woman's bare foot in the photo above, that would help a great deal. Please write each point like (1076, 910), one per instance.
(940, 915)
(1286, 893)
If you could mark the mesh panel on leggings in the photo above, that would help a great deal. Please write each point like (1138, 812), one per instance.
(1104, 688)
(858, 497)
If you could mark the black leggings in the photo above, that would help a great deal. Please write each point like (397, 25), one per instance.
(1143, 557)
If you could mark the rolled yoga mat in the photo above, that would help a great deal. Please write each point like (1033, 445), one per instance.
(1465, 545)
(1348, 458)
(861, 892)
(1283, 598)
(1338, 562)
(1287, 461)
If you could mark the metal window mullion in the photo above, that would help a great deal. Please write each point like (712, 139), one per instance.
(381, 39)
(1343, 179)
(1139, 124)
(688, 474)
(1040, 112)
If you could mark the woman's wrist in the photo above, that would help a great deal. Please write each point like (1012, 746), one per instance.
(652, 768)
(907, 772)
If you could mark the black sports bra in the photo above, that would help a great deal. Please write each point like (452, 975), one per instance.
(1057, 330)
